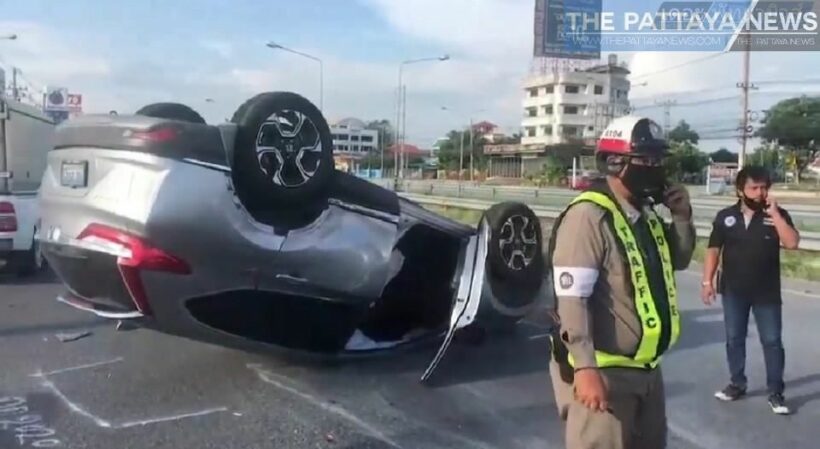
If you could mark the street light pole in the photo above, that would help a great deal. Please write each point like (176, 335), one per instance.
(276, 46)
(401, 110)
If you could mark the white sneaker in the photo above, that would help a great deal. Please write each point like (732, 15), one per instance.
(778, 405)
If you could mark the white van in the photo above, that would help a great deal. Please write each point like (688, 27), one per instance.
(26, 137)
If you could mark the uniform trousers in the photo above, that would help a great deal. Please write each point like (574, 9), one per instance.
(637, 416)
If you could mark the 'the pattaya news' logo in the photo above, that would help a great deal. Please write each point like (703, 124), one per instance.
(692, 26)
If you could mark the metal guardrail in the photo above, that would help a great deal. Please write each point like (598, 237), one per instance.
(809, 241)
(705, 208)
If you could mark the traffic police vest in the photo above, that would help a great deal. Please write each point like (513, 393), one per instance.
(647, 355)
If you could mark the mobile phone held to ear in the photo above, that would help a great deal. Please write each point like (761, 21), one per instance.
(657, 196)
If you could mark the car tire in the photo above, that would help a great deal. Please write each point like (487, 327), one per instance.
(269, 175)
(171, 111)
(514, 252)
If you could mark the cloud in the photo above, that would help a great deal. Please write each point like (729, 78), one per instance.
(50, 57)
(489, 41)
(108, 78)
(223, 48)
(478, 28)
(490, 44)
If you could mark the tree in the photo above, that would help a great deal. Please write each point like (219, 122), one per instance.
(449, 152)
(794, 125)
(683, 133)
(767, 156)
(385, 139)
(724, 156)
(385, 129)
(685, 161)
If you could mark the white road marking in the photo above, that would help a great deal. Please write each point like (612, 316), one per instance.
(144, 422)
(74, 407)
(75, 368)
(540, 336)
(268, 377)
(100, 422)
(785, 290)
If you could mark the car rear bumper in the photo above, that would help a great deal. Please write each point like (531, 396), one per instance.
(93, 279)
(6, 246)
(99, 309)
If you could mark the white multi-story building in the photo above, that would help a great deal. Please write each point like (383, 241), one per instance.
(573, 106)
(351, 138)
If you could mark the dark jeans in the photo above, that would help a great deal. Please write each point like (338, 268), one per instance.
(769, 320)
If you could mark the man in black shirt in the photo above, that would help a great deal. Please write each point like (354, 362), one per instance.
(748, 236)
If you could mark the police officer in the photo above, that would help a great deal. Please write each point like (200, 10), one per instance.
(749, 235)
(613, 262)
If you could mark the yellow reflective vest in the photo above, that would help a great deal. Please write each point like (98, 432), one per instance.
(647, 354)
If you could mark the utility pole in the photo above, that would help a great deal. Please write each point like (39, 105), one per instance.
(380, 140)
(460, 156)
(667, 115)
(745, 86)
(15, 92)
(403, 128)
(472, 151)
(397, 133)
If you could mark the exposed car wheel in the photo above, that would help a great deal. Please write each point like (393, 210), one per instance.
(283, 152)
(172, 111)
(514, 249)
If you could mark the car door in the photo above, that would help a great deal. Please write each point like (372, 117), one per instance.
(468, 293)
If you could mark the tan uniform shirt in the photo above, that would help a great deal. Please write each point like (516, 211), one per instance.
(595, 303)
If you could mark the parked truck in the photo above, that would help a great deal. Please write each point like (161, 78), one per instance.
(26, 137)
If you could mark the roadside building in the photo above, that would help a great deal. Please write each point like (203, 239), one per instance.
(564, 113)
(488, 131)
(352, 143)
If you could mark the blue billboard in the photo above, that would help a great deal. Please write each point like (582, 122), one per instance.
(582, 29)
(554, 34)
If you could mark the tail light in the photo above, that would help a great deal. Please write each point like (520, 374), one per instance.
(8, 217)
(134, 255)
(157, 135)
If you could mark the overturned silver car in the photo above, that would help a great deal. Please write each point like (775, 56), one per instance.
(243, 234)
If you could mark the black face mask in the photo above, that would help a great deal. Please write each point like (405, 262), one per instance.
(754, 205)
(645, 182)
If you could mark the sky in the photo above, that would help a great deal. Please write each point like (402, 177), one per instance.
(122, 55)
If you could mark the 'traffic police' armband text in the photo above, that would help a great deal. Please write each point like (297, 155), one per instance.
(574, 281)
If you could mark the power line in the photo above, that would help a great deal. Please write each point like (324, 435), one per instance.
(684, 93)
(690, 103)
(667, 69)
(724, 87)
(792, 81)
(720, 99)
(667, 108)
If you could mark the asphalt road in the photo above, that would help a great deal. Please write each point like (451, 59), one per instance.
(138, 389)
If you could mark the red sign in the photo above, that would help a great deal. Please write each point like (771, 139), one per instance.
(75, 102)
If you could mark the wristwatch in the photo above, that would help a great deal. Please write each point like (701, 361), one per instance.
(706, 283)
